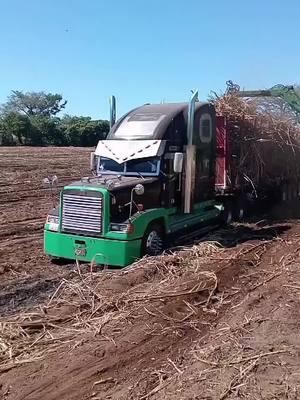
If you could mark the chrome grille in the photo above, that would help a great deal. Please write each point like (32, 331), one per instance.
(82, 214)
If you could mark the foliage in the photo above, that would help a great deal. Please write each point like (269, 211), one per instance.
(83, 131)
(30, 119)
(35, 103)
(13, 129)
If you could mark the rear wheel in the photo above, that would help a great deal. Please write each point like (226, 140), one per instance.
(240, 209)
(227, 213)
(153, 240)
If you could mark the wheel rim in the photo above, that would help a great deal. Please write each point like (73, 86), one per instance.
(229, 217)
(241, 213)
(154, 243)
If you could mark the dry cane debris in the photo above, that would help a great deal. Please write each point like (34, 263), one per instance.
(174, 293)
(80, 307)
(267, 145)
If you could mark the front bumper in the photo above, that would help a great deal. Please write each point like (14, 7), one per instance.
(101, 251)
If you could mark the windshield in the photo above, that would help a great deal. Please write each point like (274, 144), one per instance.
(139, 125)
(147, 167)
(109, 165)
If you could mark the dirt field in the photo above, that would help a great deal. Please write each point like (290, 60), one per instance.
(216, 320)
(24, 203)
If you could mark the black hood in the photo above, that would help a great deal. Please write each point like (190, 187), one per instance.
(113, 183)
(120, 189)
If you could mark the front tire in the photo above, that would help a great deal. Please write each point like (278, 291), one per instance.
(153, 240)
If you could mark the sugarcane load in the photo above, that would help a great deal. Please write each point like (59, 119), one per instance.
(166, 170)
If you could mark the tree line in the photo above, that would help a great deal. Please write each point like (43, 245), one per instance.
(30, 119)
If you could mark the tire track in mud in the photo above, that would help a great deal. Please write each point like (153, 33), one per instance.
(25, 294)
(20, 239)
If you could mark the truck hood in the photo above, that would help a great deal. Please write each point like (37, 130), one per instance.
(112, 183)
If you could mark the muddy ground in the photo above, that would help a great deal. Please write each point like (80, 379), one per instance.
(24, 203)
(216, 320)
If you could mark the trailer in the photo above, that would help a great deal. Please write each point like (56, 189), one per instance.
(258, 153)
(163, 170)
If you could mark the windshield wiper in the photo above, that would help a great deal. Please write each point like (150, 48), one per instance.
(140, 175)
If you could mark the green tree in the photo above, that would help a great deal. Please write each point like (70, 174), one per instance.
(30, 119)
(15, 129)
(46, 132)
(34, 103)
(83, 131)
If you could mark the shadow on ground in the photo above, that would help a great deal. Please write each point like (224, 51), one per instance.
(241, 233)
(265, 225)
(233, 235)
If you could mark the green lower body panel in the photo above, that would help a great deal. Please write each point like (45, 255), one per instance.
(101, 251)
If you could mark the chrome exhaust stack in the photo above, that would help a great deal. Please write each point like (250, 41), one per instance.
(190, 159)
(112, 113)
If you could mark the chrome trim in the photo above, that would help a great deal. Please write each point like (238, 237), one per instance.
(82, 213)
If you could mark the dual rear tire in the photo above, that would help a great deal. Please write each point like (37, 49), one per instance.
(234, 210)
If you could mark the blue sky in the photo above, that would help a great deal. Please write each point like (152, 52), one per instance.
(145, 51)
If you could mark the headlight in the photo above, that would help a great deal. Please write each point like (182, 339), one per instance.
(52, 219)
(53, 222)
(122, 228)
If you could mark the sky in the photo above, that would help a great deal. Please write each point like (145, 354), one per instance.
(145, 51)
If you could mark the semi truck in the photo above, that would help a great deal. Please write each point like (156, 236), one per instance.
(162, 171)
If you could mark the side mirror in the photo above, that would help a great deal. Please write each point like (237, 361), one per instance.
(93, 161)
(50, 180)
(178, 163)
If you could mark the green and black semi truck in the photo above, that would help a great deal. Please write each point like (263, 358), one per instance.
(162, 170)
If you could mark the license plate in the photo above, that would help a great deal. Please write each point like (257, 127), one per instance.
(80, 252)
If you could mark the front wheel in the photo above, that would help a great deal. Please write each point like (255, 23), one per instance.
(153, 240)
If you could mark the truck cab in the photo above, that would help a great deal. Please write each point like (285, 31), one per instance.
(153, 177)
